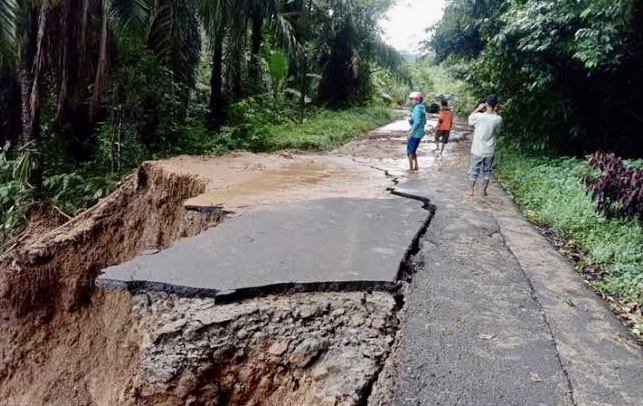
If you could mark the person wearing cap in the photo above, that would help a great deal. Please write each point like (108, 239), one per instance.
(444, 127)
(417, 122)
(486, 123)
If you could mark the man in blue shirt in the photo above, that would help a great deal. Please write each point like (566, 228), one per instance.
(418, 122)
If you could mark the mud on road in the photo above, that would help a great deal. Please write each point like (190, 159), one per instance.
(65, 343)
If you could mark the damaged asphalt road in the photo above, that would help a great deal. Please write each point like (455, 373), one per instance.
(472, 309)
(350, 243)
(488, 317)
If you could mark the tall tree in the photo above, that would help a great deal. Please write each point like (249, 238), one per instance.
(229, 27)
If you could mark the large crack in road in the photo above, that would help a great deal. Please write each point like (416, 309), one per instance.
(324, 332)
(294, 343)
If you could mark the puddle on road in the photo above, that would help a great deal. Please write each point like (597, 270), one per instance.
(292, 175)
(403, 126)
(314, 178)
(354, 170)
(295, 175)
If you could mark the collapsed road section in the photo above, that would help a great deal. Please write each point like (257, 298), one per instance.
(333, 241)
(66, 342)
(296, 305)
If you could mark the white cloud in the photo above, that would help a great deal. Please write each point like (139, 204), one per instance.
(406, 22)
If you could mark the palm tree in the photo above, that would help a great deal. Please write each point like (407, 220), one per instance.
(229, 24)
(350, 46)
(73, 45)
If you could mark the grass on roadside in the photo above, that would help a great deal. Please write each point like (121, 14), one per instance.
(327, 129)
(549, 192)
(259, 131)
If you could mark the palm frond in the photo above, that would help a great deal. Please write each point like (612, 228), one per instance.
(132, 14)
(214, 14)
(281, 27)
(388, 57)
(175, 37)
(8, 33)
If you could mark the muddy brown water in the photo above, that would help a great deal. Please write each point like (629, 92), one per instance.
(363, 168)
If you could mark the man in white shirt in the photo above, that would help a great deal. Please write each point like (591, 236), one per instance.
(486, 123)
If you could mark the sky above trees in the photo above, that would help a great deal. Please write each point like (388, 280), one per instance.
(407, 21)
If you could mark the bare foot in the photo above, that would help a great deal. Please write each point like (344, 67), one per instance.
(469, 192)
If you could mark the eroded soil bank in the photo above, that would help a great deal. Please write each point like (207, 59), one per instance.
(66, 343)
(62, 342)
(301, 349)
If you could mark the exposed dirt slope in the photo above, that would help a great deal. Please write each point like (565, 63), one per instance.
(62, 342)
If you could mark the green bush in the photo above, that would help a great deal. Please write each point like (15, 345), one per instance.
(14, 195)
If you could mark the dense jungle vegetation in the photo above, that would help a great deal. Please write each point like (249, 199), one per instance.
(90, 88)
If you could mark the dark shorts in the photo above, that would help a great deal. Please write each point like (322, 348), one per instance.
(412, 146)
(442, 136)
(479, 165)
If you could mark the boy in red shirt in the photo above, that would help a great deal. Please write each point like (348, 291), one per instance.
(445, 124)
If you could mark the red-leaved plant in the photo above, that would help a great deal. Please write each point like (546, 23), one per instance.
(618, 189)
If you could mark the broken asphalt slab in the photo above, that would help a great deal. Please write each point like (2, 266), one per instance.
(489, 319)
(346, 242)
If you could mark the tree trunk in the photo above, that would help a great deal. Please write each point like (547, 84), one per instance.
(30, 66)
(304, 64)
(27, 54)
(65, 63)
(83, 38)
(101, 68)
(236, 58)
(217, 100)
(254, 70)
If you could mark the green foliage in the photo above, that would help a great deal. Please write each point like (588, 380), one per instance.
(388, 88)
(550, 192)
(325, 129)
(263, 131)
(14, 194)
(560, 68)
(445, 84)
(119, 148)
(8, 34)
(175, 38)
(278, 66)
(72, 192)
(69, 191)
(461, 31)
(145, 100)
